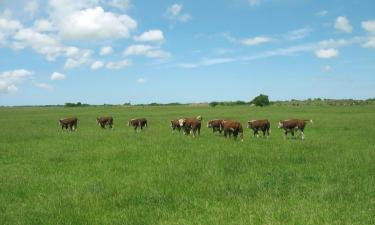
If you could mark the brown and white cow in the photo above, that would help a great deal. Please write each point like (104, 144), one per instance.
(138, 123)
(232, 127)
(191, 125)
(175, 124)
(215, 125)
(105, 120)
(293, 125)
(69, 122)
(259, 125)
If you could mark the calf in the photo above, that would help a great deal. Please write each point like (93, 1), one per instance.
(138, 123)
(70, 122)
(175, 125)
(103, 121)
(232, 127)
(256, 125)
(293, 125)
(191, 125)
(215, 125)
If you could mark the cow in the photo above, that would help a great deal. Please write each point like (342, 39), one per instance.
(69, 122)
(232, 127)
(175, 125)
(262, 125)
(106, 120)
(293, 125)
(215, 125)
(191, 125)
(138, 123)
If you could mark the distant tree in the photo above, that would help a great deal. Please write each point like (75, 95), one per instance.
(213, 104)
(261, 100)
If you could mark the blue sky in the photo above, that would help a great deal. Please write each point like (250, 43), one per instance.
(138, 51)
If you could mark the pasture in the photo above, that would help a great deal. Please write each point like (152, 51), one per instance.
(96, 176)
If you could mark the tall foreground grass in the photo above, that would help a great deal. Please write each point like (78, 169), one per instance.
(96, 176)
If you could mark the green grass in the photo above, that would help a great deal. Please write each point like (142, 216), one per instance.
(96, 176)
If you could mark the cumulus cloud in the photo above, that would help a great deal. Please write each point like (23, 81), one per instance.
(342, 24)
(9, 79)
(120, 4)
(32, 7)
(81, 58)
(327, 53)
(146, 50)
(43, 25)
(97, 65)
(256, 41)
(118, 64)
(150, 36)
(141, 80)
(107, 50)
(43, 86)
(369, 26)
(57, 76)
(95, 23)
(174, 13)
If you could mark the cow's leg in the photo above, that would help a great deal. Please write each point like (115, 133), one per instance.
(286, 134)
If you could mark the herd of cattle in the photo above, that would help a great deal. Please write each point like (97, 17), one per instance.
(193, 125)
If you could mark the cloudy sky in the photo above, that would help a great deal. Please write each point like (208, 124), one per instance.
(141, 51)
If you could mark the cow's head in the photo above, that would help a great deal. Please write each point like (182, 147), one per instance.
(280, 124)
(249, 123)
(199, 118)
(182, 122)
(209, 124)
(97, 120)
(129, 123)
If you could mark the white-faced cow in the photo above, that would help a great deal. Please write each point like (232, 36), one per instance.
(293, 125)
(105, 120)
(70, 122)
(191, 125)
(215, 125)
(232, 127)
(138, 123)
(175, 124)
(259, 125)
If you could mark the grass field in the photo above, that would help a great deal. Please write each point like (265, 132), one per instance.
(96, 176)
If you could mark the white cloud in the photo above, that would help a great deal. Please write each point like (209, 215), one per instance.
(174, 12)
(97, 65)
(120, 4)
(255, 2)
(43, 25)
(141, 80)
(369, 26)
(327, 68)
(57, 76)
(39, 42)
(322, 13)
(146, 50)
(83, 57)
(44, 86)
(32, 7)
(9, 79)
(256, 41)
(342, 24)
(327, 53)
(298, 34)
(95, 23)
(106, 50)
(118, 64)
(214, 61)
(9, 25)
(151, 35)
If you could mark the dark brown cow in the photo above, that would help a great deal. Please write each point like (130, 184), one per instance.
(232, 127)
(215, 125)
(138, 123)
(191, 125)
(256, 125)
(175, 125)
(70, 122)
(293, 125)
(106, 120)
